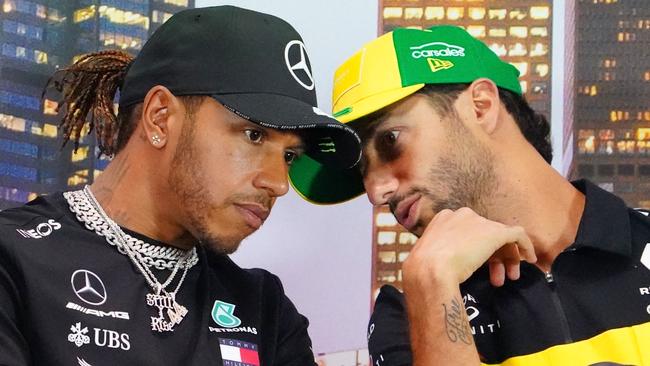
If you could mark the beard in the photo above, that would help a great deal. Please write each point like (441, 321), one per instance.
(185, 180)
(464, 177)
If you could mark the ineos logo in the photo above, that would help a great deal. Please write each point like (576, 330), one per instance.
(88, 287)
(42, 230)
(295, 56)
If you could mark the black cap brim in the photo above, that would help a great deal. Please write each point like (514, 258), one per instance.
(327, 140)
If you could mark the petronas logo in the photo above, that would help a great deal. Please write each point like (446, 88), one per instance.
(437, 64)
(223, 314)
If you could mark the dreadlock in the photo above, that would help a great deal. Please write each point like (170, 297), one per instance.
(88, 87)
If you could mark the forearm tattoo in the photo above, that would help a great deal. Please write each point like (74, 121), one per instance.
(456, 322)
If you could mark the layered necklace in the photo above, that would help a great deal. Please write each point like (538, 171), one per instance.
(143, 255)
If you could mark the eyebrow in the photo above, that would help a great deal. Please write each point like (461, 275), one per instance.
(368, 126)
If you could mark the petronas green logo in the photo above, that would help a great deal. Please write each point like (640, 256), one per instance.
(223, 314)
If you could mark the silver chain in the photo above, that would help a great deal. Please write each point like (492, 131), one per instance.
(88, 210)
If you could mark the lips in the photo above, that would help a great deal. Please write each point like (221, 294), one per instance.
(407, 210)
(253, 214)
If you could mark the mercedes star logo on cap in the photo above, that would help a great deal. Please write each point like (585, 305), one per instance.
(295, 57)
(88, 287)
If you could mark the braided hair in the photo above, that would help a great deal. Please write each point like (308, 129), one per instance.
(88, 89)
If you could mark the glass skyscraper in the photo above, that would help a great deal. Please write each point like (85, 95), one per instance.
(37, 38)
(612, 108)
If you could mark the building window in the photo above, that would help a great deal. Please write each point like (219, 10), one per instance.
(497, 14)
(14, 194)
(586, 141)
(539, 12)
(406, 238)
(517, 49)
(519, 32)
(541, 70)
(19, 100)
(80, 155)
(21, 29)
(626, 170)
(477, 31)
(434, 13)
(539, 32)
(49, 130)
(585, 170)
(413, 13)
(606, 170)
(385, 219)
(12, 123)
(497, 32)
(539, 49)
(18, 148)
(499, 48)
(522, 67)
(386, 237)
(455, 13)
(518, 14)
(387, 257)
(644, 170)
(18, 171)
(392, 12)
(476, 13)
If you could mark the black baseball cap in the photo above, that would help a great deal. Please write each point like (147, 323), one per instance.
(255, 64)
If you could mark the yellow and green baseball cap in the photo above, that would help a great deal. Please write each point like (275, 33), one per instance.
(386, 70)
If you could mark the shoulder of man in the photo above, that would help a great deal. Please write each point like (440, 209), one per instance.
(35, 220)
(388, 332)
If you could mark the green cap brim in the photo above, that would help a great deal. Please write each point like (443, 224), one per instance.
(324, 185)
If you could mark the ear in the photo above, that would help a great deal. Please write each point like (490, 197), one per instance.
(158, 106)
(486, 103)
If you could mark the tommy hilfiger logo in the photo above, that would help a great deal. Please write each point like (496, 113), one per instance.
(238, 353)
(41, 230)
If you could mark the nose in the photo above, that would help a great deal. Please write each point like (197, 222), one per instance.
(380, 185)
(273, 176)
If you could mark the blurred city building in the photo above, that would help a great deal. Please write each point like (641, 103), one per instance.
(38, 37)
(612, 105)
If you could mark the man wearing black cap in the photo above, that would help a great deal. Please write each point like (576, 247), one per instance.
(133, 269)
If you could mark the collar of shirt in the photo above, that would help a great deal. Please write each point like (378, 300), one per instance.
(605, 223)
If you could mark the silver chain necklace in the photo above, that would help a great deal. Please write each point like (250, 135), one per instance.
(88, 210)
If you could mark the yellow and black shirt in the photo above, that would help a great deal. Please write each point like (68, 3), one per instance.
(592, 308)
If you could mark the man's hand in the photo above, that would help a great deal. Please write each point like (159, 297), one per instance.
(456, 243)
(453, 246)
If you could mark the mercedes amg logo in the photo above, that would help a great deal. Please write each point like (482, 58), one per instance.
(295, 56)
(88, 287)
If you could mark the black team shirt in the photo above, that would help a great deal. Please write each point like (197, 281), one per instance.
(593, 308)
(67, 297)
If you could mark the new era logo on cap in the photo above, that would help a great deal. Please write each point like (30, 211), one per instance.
(238, 353)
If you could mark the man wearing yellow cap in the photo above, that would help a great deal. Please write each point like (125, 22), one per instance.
(514, 264)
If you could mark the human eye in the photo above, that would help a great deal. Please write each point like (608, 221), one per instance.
(290, 156)
(255, 136)
(389, 138)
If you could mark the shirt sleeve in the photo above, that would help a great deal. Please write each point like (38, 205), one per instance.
(13, 345)
(388, 332)
(294, 344)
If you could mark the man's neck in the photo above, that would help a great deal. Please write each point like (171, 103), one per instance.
(534, 196)
(130, 196)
